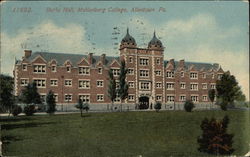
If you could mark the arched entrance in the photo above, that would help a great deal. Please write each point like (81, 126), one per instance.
(143, 102)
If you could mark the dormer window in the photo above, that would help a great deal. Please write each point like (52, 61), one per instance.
(182, 74)
(99, 70)
(68, 69)
(130, 60)
(24, 67)
(53, 68)
(39, 69)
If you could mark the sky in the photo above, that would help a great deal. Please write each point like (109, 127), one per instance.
(211, 31)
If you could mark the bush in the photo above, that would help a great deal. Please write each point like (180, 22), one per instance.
(16, 110)
(188, 106)
(29, 110)
(157, 106)
(223, 105)
(215, 139)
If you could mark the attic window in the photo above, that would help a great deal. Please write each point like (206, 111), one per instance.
(53, 68)
(182, 74)
(68, 69)
(24, 67)
(99, 70)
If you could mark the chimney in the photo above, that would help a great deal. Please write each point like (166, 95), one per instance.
(103, 59)
(90, 58)
(27, 53)
(181, 63)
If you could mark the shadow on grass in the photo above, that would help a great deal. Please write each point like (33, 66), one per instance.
(86, 115)
(7, 139)
(14, 119)
(24, 125)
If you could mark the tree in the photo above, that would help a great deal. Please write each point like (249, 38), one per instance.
(188, 106)
(157, 106)
(30, 97)
(51, 102)
(211, 95)
(16, 110)
(214, 138)
(228, 90)
(123, 88)
(80, 106)
(112, 88)
(7, 99)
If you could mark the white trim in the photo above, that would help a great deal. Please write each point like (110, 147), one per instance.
(68, 80)
(87, 80)
(100, 81)
(99, 95)
(39, 56)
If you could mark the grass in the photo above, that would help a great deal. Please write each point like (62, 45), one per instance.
(117, 134)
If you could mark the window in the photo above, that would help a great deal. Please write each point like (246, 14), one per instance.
(212, 75)
(117, 99)
(170, 74)
(43, 97)
(40, 83)
(158, 85)
(68, 97)
(204, 75)
(68, 82)
(56, 97)
(100, 97)
(204, 86)
(117, 83)
(84, 98)
(53, 68)
(182, 74)
(99, 70)
(219, 76)
(158, 97)
(130, 84)
(193, 75)
(53, 82)
(24, 82)
(144, 61)
(85, 84)
(170, 86)
(24, 67)
(68, 69)
(144, 73)
(194, 98)
(213, 85)
(99, 83)
(170, 98)
(183, 85)
(131, 98)
(145, 85)
(39, 69)
(158, 61)
(130, 71)
(204, 98)
(182, 98)
(83, 70)
(116, 72)
(194, 86)
(158, 73)
(130, 60)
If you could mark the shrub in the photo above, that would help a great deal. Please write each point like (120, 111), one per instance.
(223, 105)
(215, 139)
(157, 106)
(188, 106)
(29, 110)
(16, 110)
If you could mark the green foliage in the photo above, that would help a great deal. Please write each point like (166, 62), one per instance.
(223, 105)
(123, 88)
(211, 94)
(29, 110)
(215, 139)
(16, 110)
(228, 90)
(7, 99)
(188, 106)
(112, 87)
(157, 106)
(82, 106)
(30, 95)
(51, 103)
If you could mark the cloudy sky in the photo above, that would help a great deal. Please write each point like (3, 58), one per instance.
(212, 32)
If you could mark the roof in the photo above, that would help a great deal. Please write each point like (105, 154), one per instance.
(128, 38)
(155, 41)
(73, 58)
(76, 58)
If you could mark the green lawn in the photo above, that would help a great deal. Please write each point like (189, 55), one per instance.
(117, 134)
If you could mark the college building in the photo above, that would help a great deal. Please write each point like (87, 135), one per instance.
(150, 78)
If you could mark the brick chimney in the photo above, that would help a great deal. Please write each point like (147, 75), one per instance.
(181, 63)
(90, 58)
(103, 58)
(27, 53)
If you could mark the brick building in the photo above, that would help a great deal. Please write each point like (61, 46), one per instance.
(150, 78)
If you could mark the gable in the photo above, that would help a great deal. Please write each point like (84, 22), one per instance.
(39, 59)
(67, 63)
(83, 62)
(114, 63)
